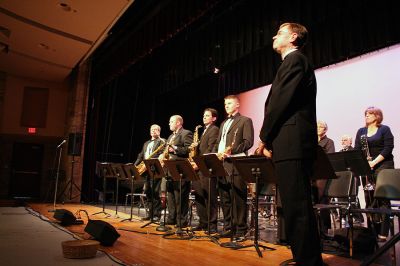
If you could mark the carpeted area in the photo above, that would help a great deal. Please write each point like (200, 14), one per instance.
(27, 238)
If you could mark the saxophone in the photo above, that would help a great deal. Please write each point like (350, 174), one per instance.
(193, 147)
(165, 154)
(141, 167)
(228, 149)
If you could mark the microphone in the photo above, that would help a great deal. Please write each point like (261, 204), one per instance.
(62, 142)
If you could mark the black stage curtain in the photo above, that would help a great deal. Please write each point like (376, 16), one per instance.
(162, 51)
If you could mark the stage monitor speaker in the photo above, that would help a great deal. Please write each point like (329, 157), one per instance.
(102, 231)
(74, 144)
(65, 217)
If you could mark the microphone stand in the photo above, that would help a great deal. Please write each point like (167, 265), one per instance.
(57, 175)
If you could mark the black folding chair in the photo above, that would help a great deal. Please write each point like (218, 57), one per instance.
(387, 188)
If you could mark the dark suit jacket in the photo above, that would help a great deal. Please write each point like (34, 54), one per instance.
(327, 144)
(290, 128)
(244, 138)
(183, 140)
(208, 139)
(157, 143)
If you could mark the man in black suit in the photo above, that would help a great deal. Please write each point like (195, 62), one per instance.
(207, 143)
(177, 147)
(152, 149)
(289, 136)
(235, 138)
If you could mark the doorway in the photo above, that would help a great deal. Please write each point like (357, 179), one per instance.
(26, 170)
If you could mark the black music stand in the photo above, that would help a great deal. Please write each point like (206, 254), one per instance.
(155, 170)
(356, 162)
(211, 167)
(323, 168)
(104, 170)
(132, 172)
(353, 160)
(119, 175)
(255, 169)
(181, 170)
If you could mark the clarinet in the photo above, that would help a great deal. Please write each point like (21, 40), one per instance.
(365, 147)
(369, 186)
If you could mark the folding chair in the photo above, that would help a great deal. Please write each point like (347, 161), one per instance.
(387, 188)
(343, 190)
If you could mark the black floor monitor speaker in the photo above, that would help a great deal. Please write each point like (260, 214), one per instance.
(64, 216)
(74, 144)
(102, 231)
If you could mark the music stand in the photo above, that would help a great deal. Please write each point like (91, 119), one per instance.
(353, 160)
(356, 162)
(155, 170)
(104, 169)
(254, 169)
(211, 167)
(322, 168)
(132, 172)
(119, 175)
(180, 170)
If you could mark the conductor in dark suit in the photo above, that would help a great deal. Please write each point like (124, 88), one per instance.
(235, 138)
(152, 149)
(201, 188)
(177, 147)
(289, 136)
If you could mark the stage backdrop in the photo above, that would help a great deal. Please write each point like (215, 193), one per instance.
(345, 90)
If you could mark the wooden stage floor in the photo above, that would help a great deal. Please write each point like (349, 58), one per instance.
(146, 246)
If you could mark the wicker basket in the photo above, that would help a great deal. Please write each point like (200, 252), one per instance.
(79, 249)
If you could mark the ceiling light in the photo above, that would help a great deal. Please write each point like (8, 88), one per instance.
(43, 46)
(65, 7)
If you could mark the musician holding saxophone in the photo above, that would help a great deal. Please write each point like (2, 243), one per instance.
(151, 149)
(236, 136)
(205, 145)
(377, 142)
(177, 147)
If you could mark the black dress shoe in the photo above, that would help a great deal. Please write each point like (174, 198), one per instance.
(197, 228)
(226, 234)
(239, 237)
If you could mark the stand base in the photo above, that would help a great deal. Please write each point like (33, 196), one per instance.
(130, 219)
(210, 237)
(179, 235)
(257, 247)
(151, 222)
(106, 214)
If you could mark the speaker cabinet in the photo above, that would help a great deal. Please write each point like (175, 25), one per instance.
(102, 231)
(64, 216)
(74, 144)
